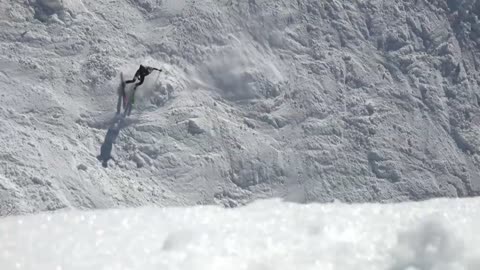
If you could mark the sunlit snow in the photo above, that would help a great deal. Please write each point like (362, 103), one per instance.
(434, 235)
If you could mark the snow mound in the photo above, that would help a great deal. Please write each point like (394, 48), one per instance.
(361, 101)
(432, 235)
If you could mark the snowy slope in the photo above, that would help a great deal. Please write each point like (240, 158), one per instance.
(305, 100)
(432, 235)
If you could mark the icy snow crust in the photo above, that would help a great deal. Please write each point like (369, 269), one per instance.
(432, 235)
(305, 100)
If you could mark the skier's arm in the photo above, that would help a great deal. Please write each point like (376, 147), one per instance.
(151, 69)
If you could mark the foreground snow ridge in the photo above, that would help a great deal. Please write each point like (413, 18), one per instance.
(436, 235)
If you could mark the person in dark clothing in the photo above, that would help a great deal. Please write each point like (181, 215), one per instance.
(140, 75)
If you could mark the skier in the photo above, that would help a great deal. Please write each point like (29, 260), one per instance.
(140, 75)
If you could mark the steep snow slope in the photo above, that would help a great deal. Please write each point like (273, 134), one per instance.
(306, 100)
(432, 235)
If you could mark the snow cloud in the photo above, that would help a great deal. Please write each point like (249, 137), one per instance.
(241, 74)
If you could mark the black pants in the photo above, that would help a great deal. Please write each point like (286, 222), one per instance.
(141, 78)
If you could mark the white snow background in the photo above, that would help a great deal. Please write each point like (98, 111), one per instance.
(306, 100)
(265, 235)
(310, 101)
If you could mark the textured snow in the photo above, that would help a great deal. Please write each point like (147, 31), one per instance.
(364, 100)
(433, 235)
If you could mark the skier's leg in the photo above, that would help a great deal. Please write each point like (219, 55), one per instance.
(140, 82)
(131, 81)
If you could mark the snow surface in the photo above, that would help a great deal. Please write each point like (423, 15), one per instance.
(358, 100)
(432, 235)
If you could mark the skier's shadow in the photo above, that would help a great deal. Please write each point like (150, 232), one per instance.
(107, 145)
